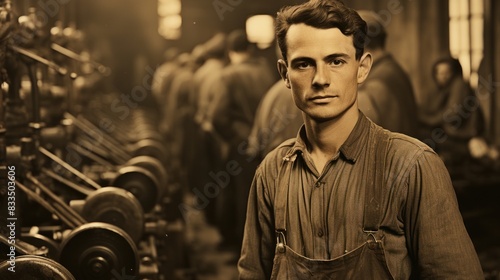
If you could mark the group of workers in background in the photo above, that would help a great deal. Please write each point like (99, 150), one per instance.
(222, 103)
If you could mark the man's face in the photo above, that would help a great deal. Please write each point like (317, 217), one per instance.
(443, 74)
(322, 71)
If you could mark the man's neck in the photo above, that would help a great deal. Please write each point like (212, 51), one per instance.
(326, 138)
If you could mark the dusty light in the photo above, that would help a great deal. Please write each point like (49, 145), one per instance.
(171, 22)
(169, 7)
(169, 19)
(260, 30)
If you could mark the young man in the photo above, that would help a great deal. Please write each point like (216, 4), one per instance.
(347, 199)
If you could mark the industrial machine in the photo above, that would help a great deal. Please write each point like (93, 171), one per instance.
(88, 193)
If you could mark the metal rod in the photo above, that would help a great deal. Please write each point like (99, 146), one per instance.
(42, 228)
(35, 94)
(31, 194)
(3, 139)
(27, 53)
(89, 145)
(71, 54)
(73, 215)
(92, 156)
(66, 182)
(35, 124)
(119, 130)
(22, 250)
(69, 168)
(58, 203)
(106, 140)
(113, 141)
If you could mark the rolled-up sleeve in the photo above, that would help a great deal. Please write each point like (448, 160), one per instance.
(257, 251)
(437, 238)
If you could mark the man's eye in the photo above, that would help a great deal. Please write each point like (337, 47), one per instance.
(302, 65)
(337, 62)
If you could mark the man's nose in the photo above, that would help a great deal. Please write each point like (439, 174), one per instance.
(321, 77)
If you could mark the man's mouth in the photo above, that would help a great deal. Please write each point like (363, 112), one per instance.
(322, 98)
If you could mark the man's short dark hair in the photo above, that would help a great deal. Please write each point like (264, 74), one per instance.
(323, 14)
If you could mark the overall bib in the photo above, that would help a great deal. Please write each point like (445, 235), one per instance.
(365, 262)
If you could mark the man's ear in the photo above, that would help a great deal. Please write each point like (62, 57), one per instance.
(283, 70)
(365, 64)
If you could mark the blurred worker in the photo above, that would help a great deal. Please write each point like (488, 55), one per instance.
(244, 83)
(208, 74)
(163, 74)
(452, 111)
(204, 148)
(386, 97)
(277, 120)
(178, 111)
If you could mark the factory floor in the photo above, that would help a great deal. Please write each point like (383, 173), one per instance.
(480, 206)
(479, 200)
(206, 258)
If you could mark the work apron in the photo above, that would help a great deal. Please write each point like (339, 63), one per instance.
(365, 262)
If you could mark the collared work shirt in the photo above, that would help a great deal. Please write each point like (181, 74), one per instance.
(423, 232)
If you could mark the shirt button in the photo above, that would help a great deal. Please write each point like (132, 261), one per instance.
(317, 185)
(320, 233)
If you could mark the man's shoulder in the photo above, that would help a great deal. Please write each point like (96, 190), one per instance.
(405, 151)
(402, 144)
(281, 150)
(406, 140)
(273, 160)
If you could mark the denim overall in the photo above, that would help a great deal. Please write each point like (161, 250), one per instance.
(365, 262)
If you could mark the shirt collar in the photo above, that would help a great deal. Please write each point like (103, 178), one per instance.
(350, 150)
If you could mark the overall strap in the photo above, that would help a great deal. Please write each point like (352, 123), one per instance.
(281, 197)
(375, 189)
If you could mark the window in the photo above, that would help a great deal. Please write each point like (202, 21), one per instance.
(169, 19)
(466, 36)
(260, 30)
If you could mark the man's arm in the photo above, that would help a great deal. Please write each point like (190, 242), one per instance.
(257, 253)
(438, 241)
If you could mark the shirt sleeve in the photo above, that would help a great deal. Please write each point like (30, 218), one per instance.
(257, 253)
(437, 238)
